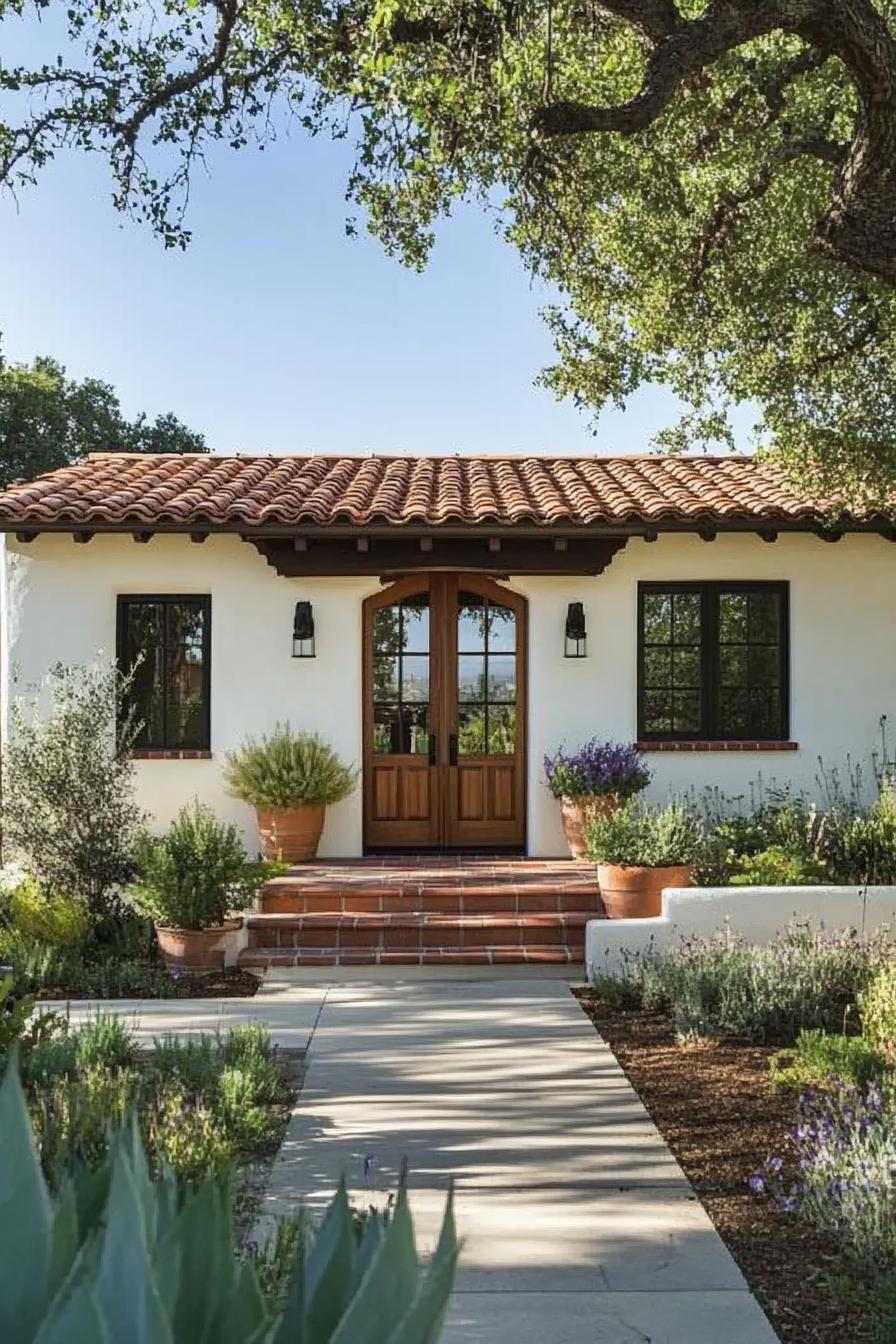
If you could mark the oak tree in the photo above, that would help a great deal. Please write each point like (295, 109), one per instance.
(708, 183)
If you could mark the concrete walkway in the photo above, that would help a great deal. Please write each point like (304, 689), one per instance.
(578, 1224)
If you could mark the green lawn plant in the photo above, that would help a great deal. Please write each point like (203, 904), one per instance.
(285, 769)
(114, 1257)
(196, 874)
(818, 1056)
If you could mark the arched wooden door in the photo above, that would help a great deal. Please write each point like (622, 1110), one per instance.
(444, 714)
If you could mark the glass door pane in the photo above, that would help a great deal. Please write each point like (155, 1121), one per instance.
(486, 677)
(401, 678)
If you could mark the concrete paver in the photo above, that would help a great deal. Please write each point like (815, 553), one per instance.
(578, 1225)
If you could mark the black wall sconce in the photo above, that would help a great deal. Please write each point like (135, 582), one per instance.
(575, 644)
(303, 631)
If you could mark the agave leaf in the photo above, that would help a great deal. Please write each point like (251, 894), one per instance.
(91, 1191)
(422, 1322)
(207, 1267)
(75, 1319)
(389, 1286)
(330, 1270)
(292, 1328)
(65, 1240)
(25, 1216)
(243, 1316)
(125, 1287)
(371, 1240)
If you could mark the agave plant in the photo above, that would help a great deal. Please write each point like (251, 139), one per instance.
(117, 1258)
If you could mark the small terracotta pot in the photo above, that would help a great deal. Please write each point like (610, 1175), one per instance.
(629, 892)
(291, 833)
(576, 812)
(197, 949)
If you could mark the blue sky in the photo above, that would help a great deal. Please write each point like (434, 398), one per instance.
(275, 332)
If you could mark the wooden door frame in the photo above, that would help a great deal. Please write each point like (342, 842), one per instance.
(443, 648)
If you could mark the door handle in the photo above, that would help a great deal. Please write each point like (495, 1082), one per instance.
(433, 749)
(452, 749)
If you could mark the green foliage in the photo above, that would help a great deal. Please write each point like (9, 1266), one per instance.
(90, 972)
(861, 845)
(777, 867)
(642, 836)
(818, 1056)
(49, 421)
(286, 768)
(722, 986)
(18, 1025)
(68, 807)
(118, 1257)
(723, 229)
(59, 921)
(197, 873)
(877, 1006)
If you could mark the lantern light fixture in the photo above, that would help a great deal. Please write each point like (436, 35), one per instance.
(575, 644)
(303, 631)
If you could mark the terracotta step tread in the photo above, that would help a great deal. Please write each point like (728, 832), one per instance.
(412, 919)
(262, 958)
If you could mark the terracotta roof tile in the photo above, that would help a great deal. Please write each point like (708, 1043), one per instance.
(120, 490)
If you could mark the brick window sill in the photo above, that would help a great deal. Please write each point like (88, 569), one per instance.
(747, 745)
(185, 754)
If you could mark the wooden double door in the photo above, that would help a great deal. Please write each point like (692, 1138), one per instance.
(444, 714)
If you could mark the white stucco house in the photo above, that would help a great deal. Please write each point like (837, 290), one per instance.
(446, 621)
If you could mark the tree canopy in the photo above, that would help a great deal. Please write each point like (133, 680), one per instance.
(49, 421)
(709, 183)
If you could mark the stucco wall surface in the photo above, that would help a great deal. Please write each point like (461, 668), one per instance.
(756, 914)
(59, 605)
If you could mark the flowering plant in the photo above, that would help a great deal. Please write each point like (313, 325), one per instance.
(840, 1172)
(597, 769)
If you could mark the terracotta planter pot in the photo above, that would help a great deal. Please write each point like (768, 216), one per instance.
(198, 949)
(576, 813)
(629, 892)
(291, 833)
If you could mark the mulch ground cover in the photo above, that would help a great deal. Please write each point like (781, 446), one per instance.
(716, 1109)
(229, 983)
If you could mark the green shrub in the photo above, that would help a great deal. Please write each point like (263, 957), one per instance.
(59, 921)
(192, 1061)
(645, 837)
(778, 867)
(818, 1056)
(68, 807)
(197, 873)
(118, 1257)
(723, 986)
(860, 846)
(877, 1007)
(287, 768)
(187, 1134)
(104, 1042)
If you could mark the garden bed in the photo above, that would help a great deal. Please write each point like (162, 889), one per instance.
(716, 1108)
(154, 982)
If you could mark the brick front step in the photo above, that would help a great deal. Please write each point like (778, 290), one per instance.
(367, 895)
(417, 932)
(270, 958)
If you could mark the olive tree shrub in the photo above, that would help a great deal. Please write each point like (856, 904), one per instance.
(68, 809)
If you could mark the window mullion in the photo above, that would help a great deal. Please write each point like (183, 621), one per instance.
(711, 660)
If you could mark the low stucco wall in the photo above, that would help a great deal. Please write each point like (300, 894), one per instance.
(753, 913)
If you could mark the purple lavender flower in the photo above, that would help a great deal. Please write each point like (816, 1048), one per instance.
(597, 768)
(757, 1184)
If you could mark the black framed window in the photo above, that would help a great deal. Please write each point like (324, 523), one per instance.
(166, 641)
(713, 661)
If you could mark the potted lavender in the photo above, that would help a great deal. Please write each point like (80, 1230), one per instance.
(597, 778)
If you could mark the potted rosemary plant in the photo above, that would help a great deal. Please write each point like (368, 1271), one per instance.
(599, 777)
(639, 851)
(290, 779)
(193, 882)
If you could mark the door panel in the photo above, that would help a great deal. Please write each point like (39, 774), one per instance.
(486, 712)
(401, 716)
(445, 713)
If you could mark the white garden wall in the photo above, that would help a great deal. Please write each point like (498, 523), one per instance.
(753, 913)
(59, 605)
